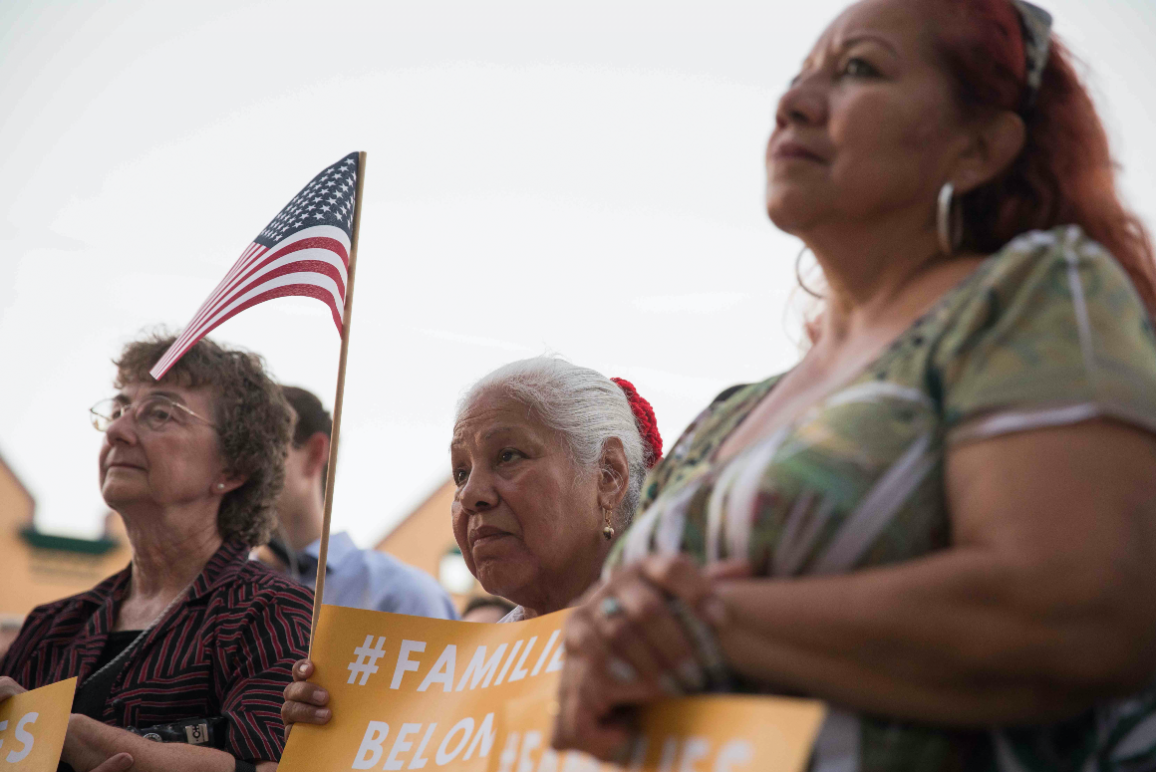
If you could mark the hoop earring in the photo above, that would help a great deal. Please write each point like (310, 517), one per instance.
(608, 531)
(948, 221)
(799, 276)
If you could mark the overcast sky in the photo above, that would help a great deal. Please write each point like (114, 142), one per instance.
(574, 178)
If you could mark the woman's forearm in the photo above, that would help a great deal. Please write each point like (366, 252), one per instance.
(89, 742)
(957, 638)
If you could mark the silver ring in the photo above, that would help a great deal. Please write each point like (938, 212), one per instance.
(620, 670)
(611, 607)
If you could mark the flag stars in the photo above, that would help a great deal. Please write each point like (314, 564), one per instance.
(328, 199)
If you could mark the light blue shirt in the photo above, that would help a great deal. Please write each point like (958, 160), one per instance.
(376, 581)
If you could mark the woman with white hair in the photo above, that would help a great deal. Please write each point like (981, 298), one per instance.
(548, 459)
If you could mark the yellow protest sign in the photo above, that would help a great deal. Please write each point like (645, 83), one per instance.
(691, 734)
(422, 694)
(32, 727)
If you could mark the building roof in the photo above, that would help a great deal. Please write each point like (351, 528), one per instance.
(421, 508)
(36, 538)
(20, 484)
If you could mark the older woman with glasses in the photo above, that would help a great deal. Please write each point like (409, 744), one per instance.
(192, 644)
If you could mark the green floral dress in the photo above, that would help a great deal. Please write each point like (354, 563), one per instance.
(1047, 332)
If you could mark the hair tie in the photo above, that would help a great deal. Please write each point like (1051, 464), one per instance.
(1036, 27)
(645, 421)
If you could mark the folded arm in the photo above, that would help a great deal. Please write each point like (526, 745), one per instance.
(89, 743)
(1045, 603)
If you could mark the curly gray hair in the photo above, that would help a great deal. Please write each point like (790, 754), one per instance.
(254, 423)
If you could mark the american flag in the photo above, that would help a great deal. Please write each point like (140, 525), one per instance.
(303, 251)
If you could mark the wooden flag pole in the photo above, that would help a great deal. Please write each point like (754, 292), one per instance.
(338, 401)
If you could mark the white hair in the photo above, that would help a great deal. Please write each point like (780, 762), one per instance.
(584, 406)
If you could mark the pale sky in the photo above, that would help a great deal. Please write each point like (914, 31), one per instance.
(575, 178)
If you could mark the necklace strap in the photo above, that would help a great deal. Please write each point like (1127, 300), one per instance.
(136, 642)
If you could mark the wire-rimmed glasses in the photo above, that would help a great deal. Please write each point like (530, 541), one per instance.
(155, 413)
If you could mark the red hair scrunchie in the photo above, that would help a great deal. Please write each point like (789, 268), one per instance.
(644, 419)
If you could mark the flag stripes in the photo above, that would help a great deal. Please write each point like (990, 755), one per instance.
(306, 260)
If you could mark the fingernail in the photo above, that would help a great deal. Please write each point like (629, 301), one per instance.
(714, 610)
(322, 696)
(691, 673)
(323, 713)
(667, 683)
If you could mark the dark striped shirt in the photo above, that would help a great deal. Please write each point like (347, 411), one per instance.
(226, 650)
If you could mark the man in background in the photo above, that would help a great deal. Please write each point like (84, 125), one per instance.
(354, 577)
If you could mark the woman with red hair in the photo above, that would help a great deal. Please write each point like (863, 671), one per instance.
(941, 520)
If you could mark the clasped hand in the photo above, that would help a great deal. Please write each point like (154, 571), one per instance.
(626, 645)
(118, 762)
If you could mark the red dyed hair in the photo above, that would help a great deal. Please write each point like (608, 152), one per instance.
(1064, 175)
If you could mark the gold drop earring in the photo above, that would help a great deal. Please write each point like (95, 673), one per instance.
(608, 531)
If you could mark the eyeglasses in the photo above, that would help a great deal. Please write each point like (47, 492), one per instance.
(155, 413)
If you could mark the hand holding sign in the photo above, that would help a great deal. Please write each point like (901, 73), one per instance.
(33, 725)
(410, 692)
(304, 702)
(420, 694)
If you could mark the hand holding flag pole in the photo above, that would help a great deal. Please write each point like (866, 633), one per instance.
(309, 249)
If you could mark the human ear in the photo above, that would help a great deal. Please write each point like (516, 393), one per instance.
(994, 146)
(229, 484)
(316, 450)
(613, 475)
